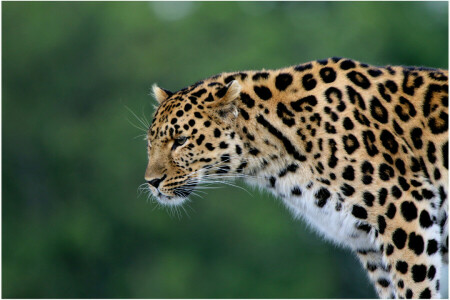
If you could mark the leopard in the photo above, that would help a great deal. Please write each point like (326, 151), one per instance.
(357, 151)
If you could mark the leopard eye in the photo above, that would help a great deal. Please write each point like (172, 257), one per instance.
(178, 142)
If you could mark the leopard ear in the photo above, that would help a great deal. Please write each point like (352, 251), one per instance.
(160, 94)
(225, 106)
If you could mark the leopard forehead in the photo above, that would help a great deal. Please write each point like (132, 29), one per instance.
(185, 111)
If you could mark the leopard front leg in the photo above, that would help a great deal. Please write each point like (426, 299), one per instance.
(379, 273)
(411, 239)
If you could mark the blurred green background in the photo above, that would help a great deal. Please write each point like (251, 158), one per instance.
(73, 224)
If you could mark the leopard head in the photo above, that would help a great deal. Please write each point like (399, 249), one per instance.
(192, 140)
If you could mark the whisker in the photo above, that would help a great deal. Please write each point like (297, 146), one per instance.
(144, 117)
(139, 119)
(136, 126)
(140, 135)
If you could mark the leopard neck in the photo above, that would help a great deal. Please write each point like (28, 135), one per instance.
(266, 138)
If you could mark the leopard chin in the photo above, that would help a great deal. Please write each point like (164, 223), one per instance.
(170, 200)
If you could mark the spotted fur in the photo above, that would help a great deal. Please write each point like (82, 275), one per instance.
(359, 152)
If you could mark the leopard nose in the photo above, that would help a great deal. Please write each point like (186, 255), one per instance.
(155, 182)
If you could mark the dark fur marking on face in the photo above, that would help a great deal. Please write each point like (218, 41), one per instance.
(238, 150)
(200, 139)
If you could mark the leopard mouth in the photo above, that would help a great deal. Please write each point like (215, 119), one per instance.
(185, 190)
(180, 195)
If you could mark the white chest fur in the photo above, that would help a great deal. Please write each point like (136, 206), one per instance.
(317, 204)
